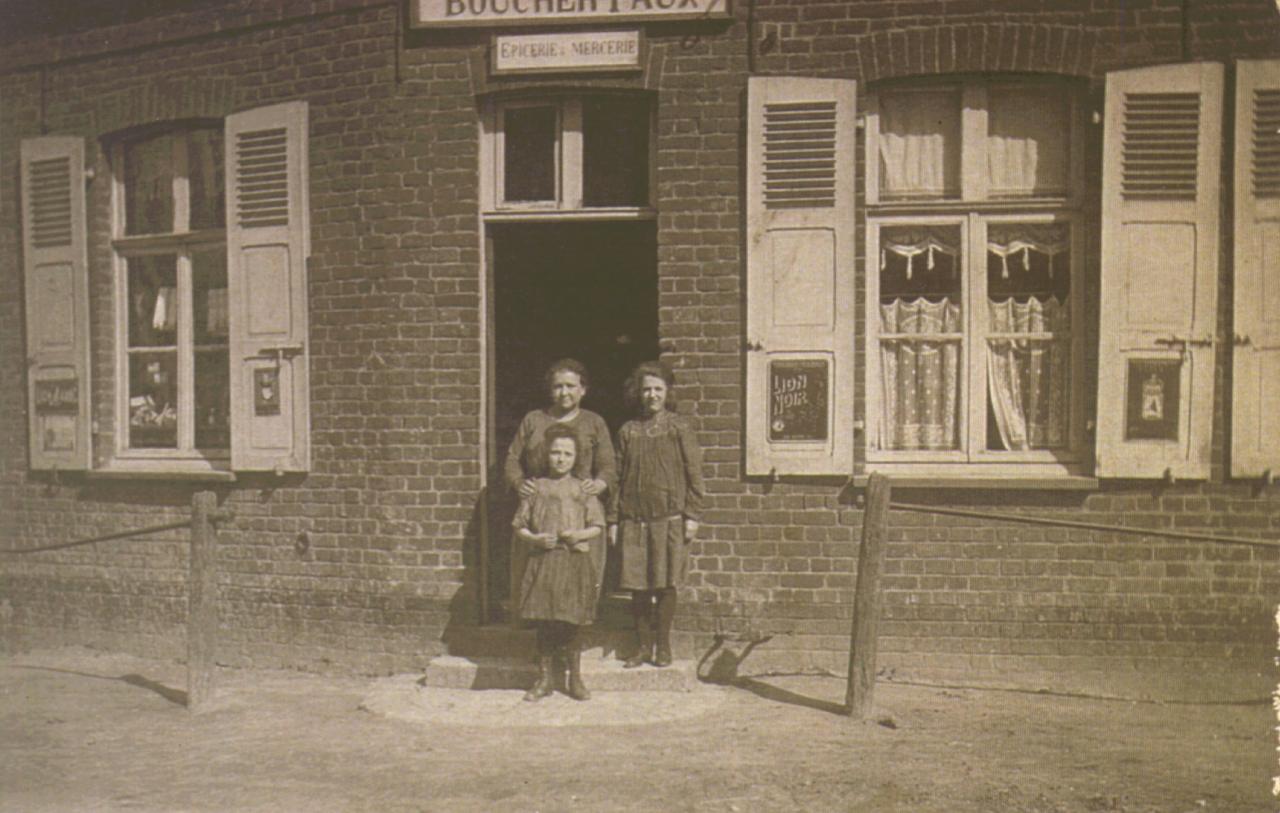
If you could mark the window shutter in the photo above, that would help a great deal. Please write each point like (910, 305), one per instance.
(800, 295)
(1255, 401)
(56, 269)
(1161, 158)
(268, 242)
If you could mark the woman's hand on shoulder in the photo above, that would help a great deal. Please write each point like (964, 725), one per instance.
(528, 489)
(593, 488)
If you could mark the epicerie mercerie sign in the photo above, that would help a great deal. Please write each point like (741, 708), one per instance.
(447, 13)
(575, 51)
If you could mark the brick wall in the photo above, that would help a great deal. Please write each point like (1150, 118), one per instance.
(387, 513)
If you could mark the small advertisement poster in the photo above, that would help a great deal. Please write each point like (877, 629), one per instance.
(1152, 399)
(798, 400)
(57, 396)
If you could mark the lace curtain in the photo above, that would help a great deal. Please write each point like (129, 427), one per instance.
(1018, 240)
(920, 145)
(1026, 143)
(920, 377)
(1028, 379)
(910, 243)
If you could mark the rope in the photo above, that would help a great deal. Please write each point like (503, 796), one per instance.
(186, 523)
(1088, 526)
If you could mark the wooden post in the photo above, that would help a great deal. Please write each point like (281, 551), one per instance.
(202, 598)
(482, 583)
(866, 599)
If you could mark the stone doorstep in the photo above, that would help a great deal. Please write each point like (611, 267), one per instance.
(600, 671)
(509, 642)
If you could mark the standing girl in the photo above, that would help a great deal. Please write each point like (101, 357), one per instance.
(654, 515)
(559, 521)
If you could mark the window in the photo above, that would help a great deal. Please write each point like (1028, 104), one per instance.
(570, 153)
(210, 238)
(170, 244)
(974, 334)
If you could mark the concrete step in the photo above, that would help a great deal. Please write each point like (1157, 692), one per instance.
(501, 641)
(600, 672)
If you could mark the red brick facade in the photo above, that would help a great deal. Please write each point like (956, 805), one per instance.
(388, 509)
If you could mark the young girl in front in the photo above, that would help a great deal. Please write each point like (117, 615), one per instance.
(562, 525)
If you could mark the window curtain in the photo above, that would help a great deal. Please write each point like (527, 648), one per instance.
(1028, 379)
(920, 377)
(920, 145)
(910, 243)
(1026, 142)
(1019, 240)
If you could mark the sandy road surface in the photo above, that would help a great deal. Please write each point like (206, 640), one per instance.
(81, 730)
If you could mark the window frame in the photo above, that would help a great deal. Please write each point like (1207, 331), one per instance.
(569, 158)
(973, 211)
(182, 245)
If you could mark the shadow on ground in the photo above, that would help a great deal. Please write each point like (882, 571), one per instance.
(175, 696)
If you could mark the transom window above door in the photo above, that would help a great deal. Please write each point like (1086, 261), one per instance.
(559, 155)
(974, 309)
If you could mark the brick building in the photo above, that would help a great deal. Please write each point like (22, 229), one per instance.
(799, 205)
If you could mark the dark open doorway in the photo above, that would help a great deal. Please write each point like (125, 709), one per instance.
(582, 290)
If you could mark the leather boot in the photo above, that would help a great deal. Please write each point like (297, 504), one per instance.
(666, 615)
(545, 684)
(641, 610)
(575, 689)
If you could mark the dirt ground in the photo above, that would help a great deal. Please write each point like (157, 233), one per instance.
(81, 730)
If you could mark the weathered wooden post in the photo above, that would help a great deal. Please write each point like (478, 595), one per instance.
(202, 598)
(866, 599)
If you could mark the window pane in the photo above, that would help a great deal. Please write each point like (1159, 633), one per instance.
(153, 400)
(921, 330)
(1027, 141)
(148, 186)
(204, 170)
(1029, 349)
(615, 161)
(153, 301)
(209, 296)
(213, 400)
(920, 144)
(529, 155)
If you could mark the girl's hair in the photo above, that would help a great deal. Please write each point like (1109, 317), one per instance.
(558, 430)
(567, 366)
(657, 369)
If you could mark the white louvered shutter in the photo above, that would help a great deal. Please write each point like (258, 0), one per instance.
(800, 260)
(268, 242)
(1255, 399)
(1160, 199)
(56, 269)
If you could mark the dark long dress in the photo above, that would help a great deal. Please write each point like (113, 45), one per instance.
(560, 584)
(659, 488)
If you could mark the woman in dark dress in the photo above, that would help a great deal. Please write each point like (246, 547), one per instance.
(654, 513)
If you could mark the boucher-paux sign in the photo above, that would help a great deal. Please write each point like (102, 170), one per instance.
(447, 13)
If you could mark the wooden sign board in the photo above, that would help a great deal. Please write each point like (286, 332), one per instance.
(516, 13)
(579, 51)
